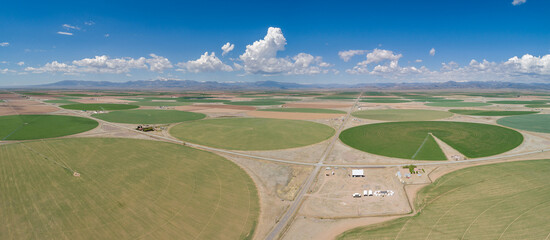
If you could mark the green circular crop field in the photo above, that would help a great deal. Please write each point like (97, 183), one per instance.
(490, 112)
(252, 133)
(457, 104)
(401, 114)
(533, 123)
(519, 102)
(25, 127)
(149, 116)
(411, 140)
(127, 189)
(99, 106)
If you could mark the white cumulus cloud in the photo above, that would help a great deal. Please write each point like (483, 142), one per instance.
(432, 52)
(104, 64)
(5, 70)
(261, 57)
(4, 44)
(347, 55)
(386, 62)
(379, 55)
(69, 27)
(158, 63)
(518, 2)
(65, 33)
(21, 63)
(206, 63)
(529, 64)
(226, 48)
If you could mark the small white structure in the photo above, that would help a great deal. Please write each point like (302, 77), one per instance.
(370, 192)
(356, 195)
(357, 173)
(365, 192)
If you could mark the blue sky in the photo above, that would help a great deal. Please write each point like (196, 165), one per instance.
(295, 41)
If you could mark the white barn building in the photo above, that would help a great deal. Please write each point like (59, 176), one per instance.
(357, 173)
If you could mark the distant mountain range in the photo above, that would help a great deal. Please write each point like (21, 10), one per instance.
(273, 85)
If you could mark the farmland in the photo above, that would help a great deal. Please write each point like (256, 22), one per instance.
(98, 106)
(263, 102)
(533, 123)
(384, 100)
(149, 116)
(230, 165)
(176, 193)
(252, 133)
(518, 102)
(302, 110)
(457, 104)
(24, 127)
(490, 112)
(402, 114)
(497, 201)
(403, 139)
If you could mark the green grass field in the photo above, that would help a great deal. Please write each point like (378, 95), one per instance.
(380, 98)
(538, 105)
(438, 100)
(403, 139)
(496, 201)
(60, 101)
(384, 100)
(278, 99)
(68, 98)
(533, 123)
(337, 97)
(375, 94)
(429, 150)
(157, 104)
(518, 102)
(202, 100)
(24, 127)
(98, 106)
(401, 114)
(79, 95)
(490, 112)
(149, 116)
(252, 133)
(128, 189)
(422, 97)
(457, 104)
(303, 110)
(256, 103)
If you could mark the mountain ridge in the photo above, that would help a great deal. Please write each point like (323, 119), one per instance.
(270, 85)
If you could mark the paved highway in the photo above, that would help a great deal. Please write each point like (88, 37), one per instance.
(297, 203)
